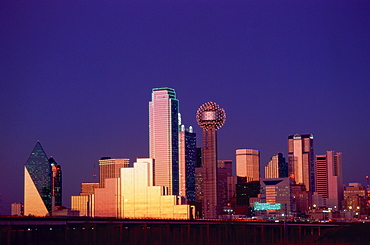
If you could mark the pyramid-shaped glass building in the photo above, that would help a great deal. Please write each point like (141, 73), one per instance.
(37, 183)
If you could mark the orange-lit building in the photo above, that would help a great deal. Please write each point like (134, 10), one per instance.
(110, 168)
(248, 164)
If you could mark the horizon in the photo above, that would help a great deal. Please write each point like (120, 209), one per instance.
(78, 77)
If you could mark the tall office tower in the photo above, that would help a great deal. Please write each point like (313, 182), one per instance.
(301, 160)
(248, 164)
(276, 167)
(210, 117)
(110, 168)
(37, 183)
(187, 163)
(56, 183)
(163, 137)
(224, 170)
(329, 183)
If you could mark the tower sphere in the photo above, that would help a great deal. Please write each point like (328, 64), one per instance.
(211, 115)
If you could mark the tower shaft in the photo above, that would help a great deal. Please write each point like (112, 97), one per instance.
(210, 173)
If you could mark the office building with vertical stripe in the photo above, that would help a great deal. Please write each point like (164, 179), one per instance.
(301, 160)
(187, 163)
(329, 183)
(276, 167)
(164, 138)
(110, 168)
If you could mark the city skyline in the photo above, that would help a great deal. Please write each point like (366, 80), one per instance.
(78, 78)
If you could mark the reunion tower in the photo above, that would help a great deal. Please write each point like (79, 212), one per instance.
(210, 117)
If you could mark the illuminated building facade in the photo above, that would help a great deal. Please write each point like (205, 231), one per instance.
(139, 198)
(85, 202)
(187, 163)
(163, 137)
(132, 195)
(355, 199)
(56, 183)
(110, 168)
(301, 160)
(277, 167)
(88, 188)
(107, 199)
(277, 190)
(210, 117)
(248, 164)
(37, 183)
(329, 183)
(17, 209)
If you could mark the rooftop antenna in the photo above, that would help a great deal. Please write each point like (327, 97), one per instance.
(94, 173)
(367, 183)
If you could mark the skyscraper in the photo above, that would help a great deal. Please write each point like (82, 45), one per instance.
(224, 170)
(329, 183)
(163, 138)
(210, 117)
(56, 183)
(187, 163)
(110, 168)
(248, 164)
(37, 183)
(276, 167)
(301, 160)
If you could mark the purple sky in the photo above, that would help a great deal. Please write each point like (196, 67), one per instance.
(77, 75)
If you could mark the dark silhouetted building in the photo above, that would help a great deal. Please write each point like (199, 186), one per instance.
(56, 183)
(243, 193)
(224, 170)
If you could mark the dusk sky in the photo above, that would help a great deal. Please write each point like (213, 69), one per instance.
(77, 75)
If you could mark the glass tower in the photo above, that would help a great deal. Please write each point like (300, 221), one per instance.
(56, 183)
(301, 160)
(37, 183)
(164, 138)
(187, 163)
